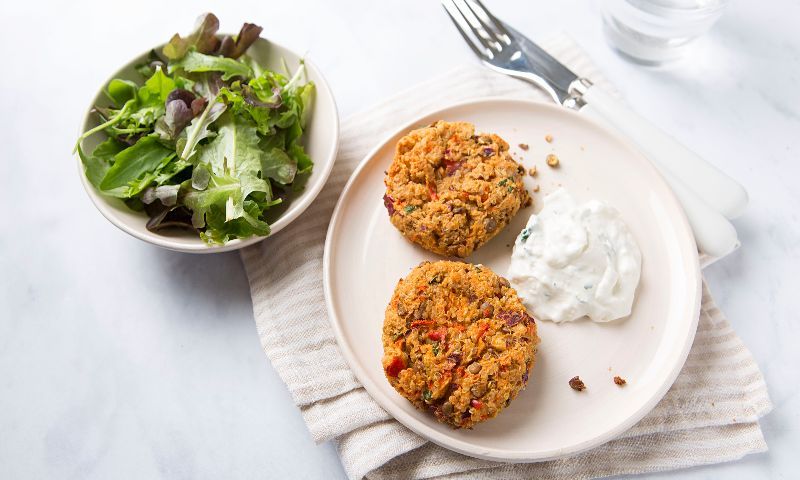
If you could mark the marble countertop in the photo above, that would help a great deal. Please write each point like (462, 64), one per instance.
(121, 360)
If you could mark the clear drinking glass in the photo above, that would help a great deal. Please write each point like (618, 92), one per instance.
(657, 31)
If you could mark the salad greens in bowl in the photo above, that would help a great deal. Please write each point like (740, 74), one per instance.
(210, 142)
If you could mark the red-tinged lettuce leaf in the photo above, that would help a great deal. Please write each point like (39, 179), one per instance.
(203, 39)
(235, 47)
(179, 113)
(162, 217)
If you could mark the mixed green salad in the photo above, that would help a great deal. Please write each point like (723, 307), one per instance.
(208, 139)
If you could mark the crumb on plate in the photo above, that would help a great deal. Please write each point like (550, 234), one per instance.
(552, 160)
(532, 171)
(548, 138)
(577, 384)
(524, 146)
(619, 381)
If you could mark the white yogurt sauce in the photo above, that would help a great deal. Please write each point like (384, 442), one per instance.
(575, 260)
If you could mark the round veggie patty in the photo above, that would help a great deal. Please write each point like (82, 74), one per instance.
(449, 190)
(457, 341)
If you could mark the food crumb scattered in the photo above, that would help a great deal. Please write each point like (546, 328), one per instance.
(529, 201)
(548, 138)
(619, 381)
(524, 146)
(552, 160)
(577, 384)
(535, 188)
(532, 171)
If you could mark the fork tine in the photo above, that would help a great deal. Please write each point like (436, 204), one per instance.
(490, 33)
(487, 17)
(459, 21)
(477, 27)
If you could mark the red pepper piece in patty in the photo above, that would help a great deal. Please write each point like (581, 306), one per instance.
(482, 329)
(432, 192)
(437, 335)
(395, 367)
(421, 323)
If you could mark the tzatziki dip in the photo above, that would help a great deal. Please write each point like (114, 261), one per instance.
(575, 260)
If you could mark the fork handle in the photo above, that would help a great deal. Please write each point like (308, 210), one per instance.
(718, 190)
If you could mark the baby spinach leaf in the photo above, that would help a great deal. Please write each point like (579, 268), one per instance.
(96, 164)
(120, 91)
(134, 162)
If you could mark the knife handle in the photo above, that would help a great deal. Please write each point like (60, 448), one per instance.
(713, 233)
(716, 189)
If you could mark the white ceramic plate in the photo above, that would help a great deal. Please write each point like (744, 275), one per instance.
(321, 140)
(365, 256)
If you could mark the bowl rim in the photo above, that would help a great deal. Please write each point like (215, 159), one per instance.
(296, 208)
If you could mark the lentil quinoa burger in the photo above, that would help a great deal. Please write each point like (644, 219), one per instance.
(457, 342)
(449, 190)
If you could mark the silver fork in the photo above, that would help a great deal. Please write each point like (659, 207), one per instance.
(704, 191)
(498, 48)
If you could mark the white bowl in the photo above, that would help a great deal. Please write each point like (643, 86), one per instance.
(320, 139)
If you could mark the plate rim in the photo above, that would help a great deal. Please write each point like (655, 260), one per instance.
(461, 446)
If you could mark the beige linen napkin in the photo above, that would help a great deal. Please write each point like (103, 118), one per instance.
(709, 415)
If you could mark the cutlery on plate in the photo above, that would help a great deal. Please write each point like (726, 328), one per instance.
(707, 195)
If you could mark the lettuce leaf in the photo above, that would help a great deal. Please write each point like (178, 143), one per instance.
(96, 164)
(203, 38)
(226, 175)
(136, 167)
(186, 145)
(195, 61)
(234, 47)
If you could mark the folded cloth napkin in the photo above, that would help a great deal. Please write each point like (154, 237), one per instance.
(710, 414)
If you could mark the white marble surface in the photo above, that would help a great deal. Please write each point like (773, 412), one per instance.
(120, 360)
